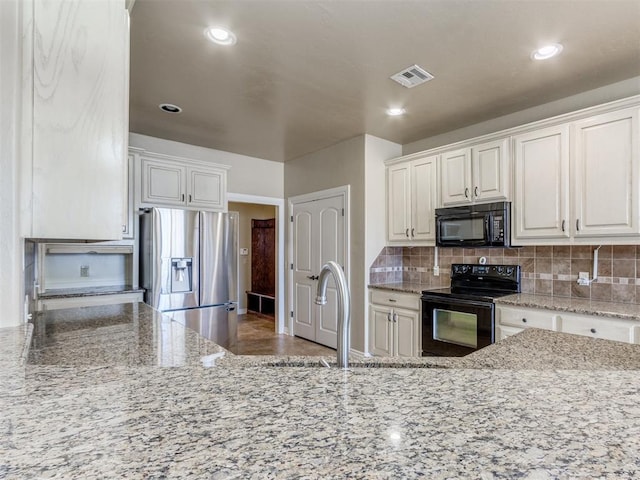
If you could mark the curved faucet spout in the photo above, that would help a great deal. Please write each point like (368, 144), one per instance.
(344, 302)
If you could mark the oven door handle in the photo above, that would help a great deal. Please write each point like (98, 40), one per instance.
(452, 301)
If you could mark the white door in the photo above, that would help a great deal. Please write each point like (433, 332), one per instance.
(381, 331)
(206, 189)
(318, 236)
(423, 198)
(398, 202)
(456, 177)
(491, 170)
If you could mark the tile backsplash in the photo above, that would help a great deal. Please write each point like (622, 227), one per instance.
(546, 270)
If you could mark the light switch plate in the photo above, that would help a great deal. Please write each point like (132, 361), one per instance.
(244, 251)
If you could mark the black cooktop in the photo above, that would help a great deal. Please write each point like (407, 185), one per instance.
(480, 282)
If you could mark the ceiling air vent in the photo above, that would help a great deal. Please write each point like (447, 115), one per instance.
(412, 76)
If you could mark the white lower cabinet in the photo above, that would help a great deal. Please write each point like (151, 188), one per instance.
(394, 324)
(512, 320)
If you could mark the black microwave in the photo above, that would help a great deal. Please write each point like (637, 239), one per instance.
(483, 225)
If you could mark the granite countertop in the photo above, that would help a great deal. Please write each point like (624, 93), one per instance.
(407, 287)
(89, 291)
(629, 311)
(131, 418)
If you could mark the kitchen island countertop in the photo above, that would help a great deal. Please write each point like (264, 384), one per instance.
(237, 420)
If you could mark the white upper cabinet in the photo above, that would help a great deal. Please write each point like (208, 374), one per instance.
(182, 183)
(411, 200)
(606, 181)
(578, 180)
(479, 173)
(541, 190)
(76, 118)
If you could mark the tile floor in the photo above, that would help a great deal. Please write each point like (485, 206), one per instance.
(256, 336)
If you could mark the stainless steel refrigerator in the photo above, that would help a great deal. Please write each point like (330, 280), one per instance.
(189, 269)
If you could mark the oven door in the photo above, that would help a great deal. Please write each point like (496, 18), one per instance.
(455, 327)
(463, 230)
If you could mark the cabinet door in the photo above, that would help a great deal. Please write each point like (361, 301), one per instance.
(206, 189)
(491, 172)
(381, 335)
(406, 333)
(79, 119)
(423, 198)
(398, 202)
(541, 193)
(606, 162)
(456, 177)
(163, 183)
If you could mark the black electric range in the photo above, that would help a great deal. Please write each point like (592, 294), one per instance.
(460, 319)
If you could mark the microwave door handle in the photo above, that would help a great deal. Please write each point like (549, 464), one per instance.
(487, 230)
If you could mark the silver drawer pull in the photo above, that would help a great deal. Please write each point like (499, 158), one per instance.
(524, 320)
(593, 330)
(392, 300)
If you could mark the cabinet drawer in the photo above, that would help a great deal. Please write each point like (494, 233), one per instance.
(393, 299)
(525, 318)
(596, 327)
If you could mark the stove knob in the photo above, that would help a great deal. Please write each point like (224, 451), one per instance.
(509, 270)
(500, 270)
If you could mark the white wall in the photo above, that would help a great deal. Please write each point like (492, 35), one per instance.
(11, 251)
(248, 175)
(247, 212)
(608, 93)
(377, 151)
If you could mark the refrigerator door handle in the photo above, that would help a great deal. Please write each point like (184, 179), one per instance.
(231, 308)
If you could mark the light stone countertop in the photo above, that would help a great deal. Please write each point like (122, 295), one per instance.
(133, 419)
(629, 311)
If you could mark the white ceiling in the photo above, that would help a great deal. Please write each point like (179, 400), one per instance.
(305, 75)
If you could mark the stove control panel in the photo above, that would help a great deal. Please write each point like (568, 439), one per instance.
(460, 270)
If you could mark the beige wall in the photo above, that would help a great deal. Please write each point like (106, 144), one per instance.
(608, 93)
(247, 211)
(248, 175)
(335, 166)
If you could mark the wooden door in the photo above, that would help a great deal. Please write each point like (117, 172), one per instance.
(263, 256)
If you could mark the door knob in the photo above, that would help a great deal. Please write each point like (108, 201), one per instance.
(313, 277)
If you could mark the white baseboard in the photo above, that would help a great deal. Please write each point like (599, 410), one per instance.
(242, 311)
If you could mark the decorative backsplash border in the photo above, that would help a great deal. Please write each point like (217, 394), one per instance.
(546, 270)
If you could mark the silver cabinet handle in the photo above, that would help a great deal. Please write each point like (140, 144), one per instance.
(563, 222)
(393, 300)
(189, 198)
(413, 230)
(183, 197)
(395, 317)
(475, 191)
(124, 228)
(466, 193)
(407, 233)
(578, 225)
(593, 330)
(389, 317)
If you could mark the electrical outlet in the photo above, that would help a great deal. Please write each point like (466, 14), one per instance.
(84, 270)
(436, 271)
(244, 251)
(583, 278)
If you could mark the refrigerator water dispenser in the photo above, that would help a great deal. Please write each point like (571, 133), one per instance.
(181, 269)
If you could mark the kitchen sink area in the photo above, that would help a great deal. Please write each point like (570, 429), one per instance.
(538, 404)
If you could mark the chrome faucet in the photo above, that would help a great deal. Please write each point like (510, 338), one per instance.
(344, 318)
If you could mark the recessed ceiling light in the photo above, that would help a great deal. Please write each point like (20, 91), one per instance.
(547, 51)
(220, 35)
(394, 112)
(170, 108)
